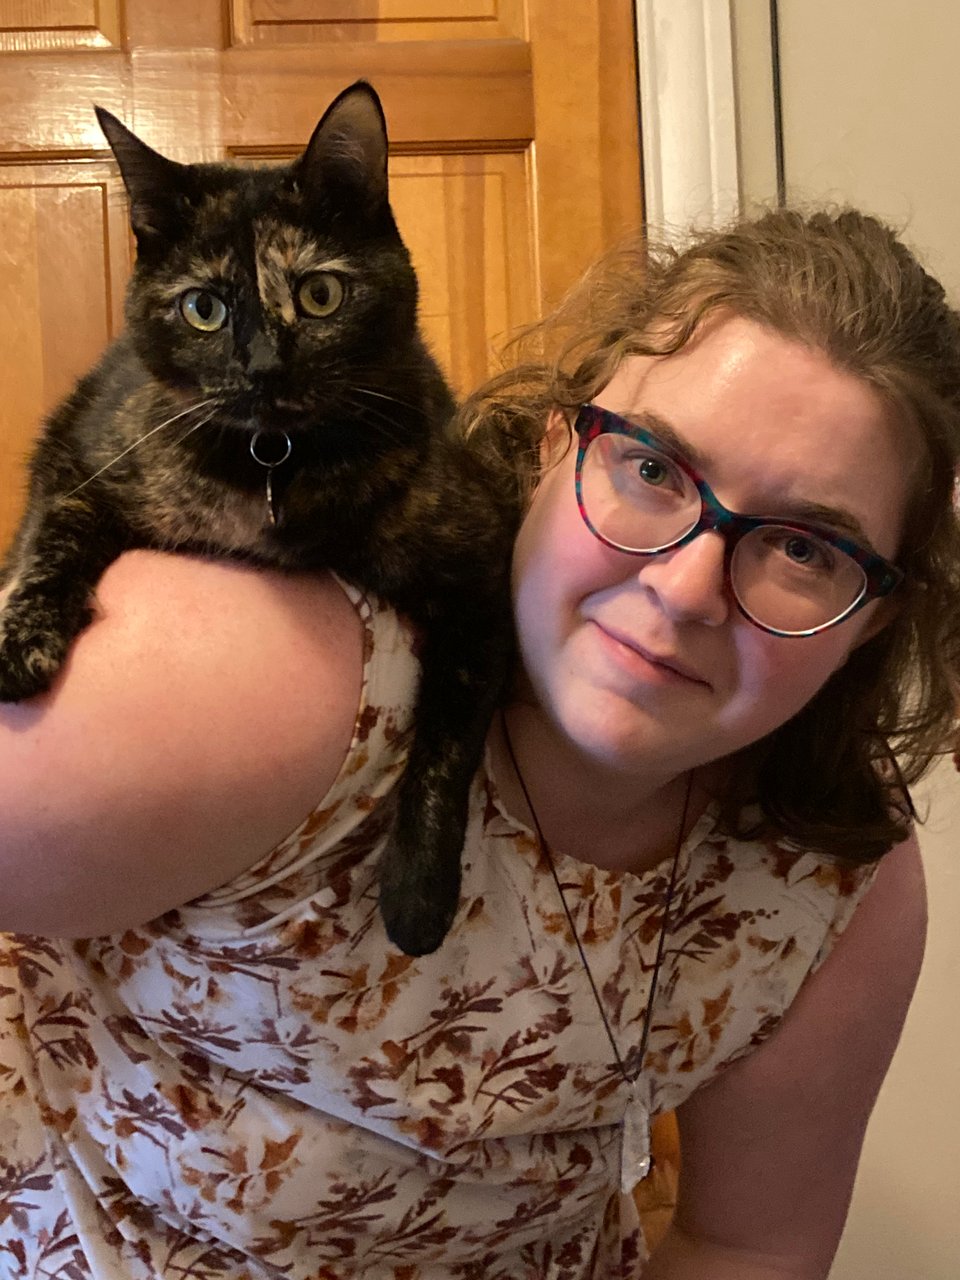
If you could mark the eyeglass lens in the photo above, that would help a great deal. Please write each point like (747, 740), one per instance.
(638, 499)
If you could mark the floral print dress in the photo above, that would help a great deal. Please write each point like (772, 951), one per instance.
(259, 1085)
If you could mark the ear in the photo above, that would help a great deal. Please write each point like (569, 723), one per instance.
(883, 614)
(348, 149)
(556, 441)
(157, 187)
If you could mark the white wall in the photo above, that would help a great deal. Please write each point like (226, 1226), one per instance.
(870, 113)
(871, 117)
(905, 1219)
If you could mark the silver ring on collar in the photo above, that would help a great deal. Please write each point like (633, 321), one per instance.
(266, 462)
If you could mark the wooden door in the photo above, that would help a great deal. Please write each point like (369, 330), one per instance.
(514, 154)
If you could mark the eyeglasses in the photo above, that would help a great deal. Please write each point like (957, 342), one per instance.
(788, 577)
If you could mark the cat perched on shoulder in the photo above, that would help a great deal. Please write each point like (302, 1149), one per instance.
(271, 398)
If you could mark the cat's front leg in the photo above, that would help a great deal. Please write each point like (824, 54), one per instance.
(45, 588)
(466, 660)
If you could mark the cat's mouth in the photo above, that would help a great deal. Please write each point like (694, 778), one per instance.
(251, 413)
(337, 422)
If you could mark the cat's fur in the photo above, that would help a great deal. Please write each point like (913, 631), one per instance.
(152, 449)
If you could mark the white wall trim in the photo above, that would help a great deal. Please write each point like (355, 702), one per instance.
(687, 112)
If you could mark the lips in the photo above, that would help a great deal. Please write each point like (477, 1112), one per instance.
(669, 661)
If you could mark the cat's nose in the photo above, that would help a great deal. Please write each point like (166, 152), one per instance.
(263, 356)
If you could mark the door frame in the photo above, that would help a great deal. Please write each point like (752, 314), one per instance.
(688, 113)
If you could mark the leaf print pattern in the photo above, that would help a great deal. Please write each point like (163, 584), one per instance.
(60, 1255)
(17, 1182)
(257, 1086)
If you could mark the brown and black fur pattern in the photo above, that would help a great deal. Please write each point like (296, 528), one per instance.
(282, 301)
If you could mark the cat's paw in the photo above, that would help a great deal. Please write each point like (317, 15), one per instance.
(417, 924)
(420, 888)
(33, 647)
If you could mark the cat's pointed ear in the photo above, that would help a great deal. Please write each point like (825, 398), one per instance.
(348, 149)
(157, 187)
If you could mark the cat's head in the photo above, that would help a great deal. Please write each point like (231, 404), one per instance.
(286, 292)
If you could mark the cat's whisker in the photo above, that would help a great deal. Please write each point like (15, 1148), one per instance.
(212, 443)
(380, 421)
(380, 395)
(382, 411)
(373, 379)
(197, 425)
(146, 436)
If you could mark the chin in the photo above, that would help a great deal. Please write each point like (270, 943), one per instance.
(613, 737)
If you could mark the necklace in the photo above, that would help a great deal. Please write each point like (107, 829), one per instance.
(635, 1158)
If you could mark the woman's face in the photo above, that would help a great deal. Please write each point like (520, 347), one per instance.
(645, 662)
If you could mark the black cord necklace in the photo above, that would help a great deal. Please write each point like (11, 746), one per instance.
(635, 1158)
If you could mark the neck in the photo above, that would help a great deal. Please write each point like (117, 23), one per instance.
(611, 820)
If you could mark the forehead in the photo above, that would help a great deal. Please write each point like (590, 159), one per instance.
(770, 422)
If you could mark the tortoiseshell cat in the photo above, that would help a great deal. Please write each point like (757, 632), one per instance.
(272, 399)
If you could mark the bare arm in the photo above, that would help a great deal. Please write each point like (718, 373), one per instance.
(770, 1150)
(199, 719)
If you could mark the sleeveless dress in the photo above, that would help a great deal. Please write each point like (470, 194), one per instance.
(259, 1085)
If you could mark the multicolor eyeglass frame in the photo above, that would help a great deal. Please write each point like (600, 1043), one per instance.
(880, 575)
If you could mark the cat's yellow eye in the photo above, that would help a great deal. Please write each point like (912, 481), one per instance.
(203, 310)
(320, 294)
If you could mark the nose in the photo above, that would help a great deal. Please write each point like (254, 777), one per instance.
(690, 582)
(263, 357)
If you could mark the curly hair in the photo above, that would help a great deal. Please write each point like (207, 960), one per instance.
(832, 778)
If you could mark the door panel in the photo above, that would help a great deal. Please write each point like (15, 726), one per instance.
(65, 258)
(466, 223)
(371, 21)
(59, 24)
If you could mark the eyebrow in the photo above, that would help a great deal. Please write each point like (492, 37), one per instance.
(647, 420)
(801, 509)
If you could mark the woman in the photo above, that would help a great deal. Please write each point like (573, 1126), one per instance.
(690, 881)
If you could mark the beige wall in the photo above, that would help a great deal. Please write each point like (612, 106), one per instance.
(871, 117)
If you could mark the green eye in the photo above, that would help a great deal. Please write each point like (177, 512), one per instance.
(653, 471)
(321, 294)
(203, 310)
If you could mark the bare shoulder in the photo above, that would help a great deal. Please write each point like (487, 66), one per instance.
(870, 975)
(857, 1000)
(795, 1111)
(201, 715)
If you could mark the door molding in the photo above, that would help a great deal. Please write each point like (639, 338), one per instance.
(688, 113)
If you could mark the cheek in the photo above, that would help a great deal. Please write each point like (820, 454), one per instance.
(557, 561)
(538, 547)
(548, 571)
(777, 677)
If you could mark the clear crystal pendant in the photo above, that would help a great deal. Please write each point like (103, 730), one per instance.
(635, 1157)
